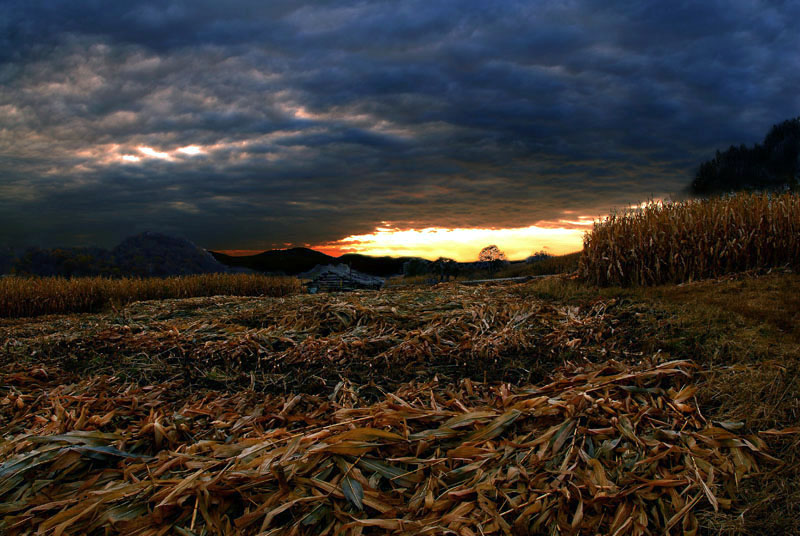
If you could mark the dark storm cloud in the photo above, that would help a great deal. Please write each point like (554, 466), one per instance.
(315, 121)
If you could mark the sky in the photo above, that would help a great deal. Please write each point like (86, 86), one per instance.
(386, 127)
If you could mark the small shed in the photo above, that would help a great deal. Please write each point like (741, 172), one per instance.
(340, 277)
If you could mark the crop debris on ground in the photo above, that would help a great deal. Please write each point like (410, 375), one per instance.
(537, 408)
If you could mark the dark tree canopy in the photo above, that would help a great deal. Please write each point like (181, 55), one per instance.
(771, 165)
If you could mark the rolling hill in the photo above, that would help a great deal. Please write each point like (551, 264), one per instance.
(297, 260)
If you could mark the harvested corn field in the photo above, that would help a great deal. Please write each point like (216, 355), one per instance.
(540, 408)
(308, 343)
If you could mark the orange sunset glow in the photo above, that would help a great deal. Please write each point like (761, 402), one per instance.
(462, 245)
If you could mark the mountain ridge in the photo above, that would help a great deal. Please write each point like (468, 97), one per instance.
(293, 261)
(148, 254)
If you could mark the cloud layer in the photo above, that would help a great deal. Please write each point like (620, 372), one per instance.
(254, 124)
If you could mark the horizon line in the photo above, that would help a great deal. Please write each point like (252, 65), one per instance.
(253, 252)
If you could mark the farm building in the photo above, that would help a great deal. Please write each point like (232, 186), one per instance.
(340, 277)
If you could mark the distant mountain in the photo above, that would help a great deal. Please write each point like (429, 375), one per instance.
(156, 254)
(380, 266)
(297, 260)
(288, 261)
(144, 255)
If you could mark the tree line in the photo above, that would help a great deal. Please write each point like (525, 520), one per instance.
(771, 165)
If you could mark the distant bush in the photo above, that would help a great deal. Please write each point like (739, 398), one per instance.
(543, 265)
(538, 256)
(677, 242)
(31, 296)
(416, 267)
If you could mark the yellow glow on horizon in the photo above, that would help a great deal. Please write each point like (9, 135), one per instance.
(464, 244)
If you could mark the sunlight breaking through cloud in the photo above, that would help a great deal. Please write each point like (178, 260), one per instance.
(191, 150)
(149, 151)
(145, 153)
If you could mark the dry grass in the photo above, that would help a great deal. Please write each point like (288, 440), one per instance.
(678, 242)
(23, 296)
(743, 330)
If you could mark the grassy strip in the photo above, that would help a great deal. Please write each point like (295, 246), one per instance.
(22, 296)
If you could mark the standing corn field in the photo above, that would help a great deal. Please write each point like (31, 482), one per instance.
(31, 296)
(683, 241)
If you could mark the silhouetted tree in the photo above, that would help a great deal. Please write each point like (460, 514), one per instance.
(491, 253)
(493, 256)
(772, 165)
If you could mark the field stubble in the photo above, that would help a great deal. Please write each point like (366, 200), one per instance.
(533, 408)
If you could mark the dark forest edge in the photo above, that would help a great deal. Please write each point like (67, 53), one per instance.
(772, 165)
